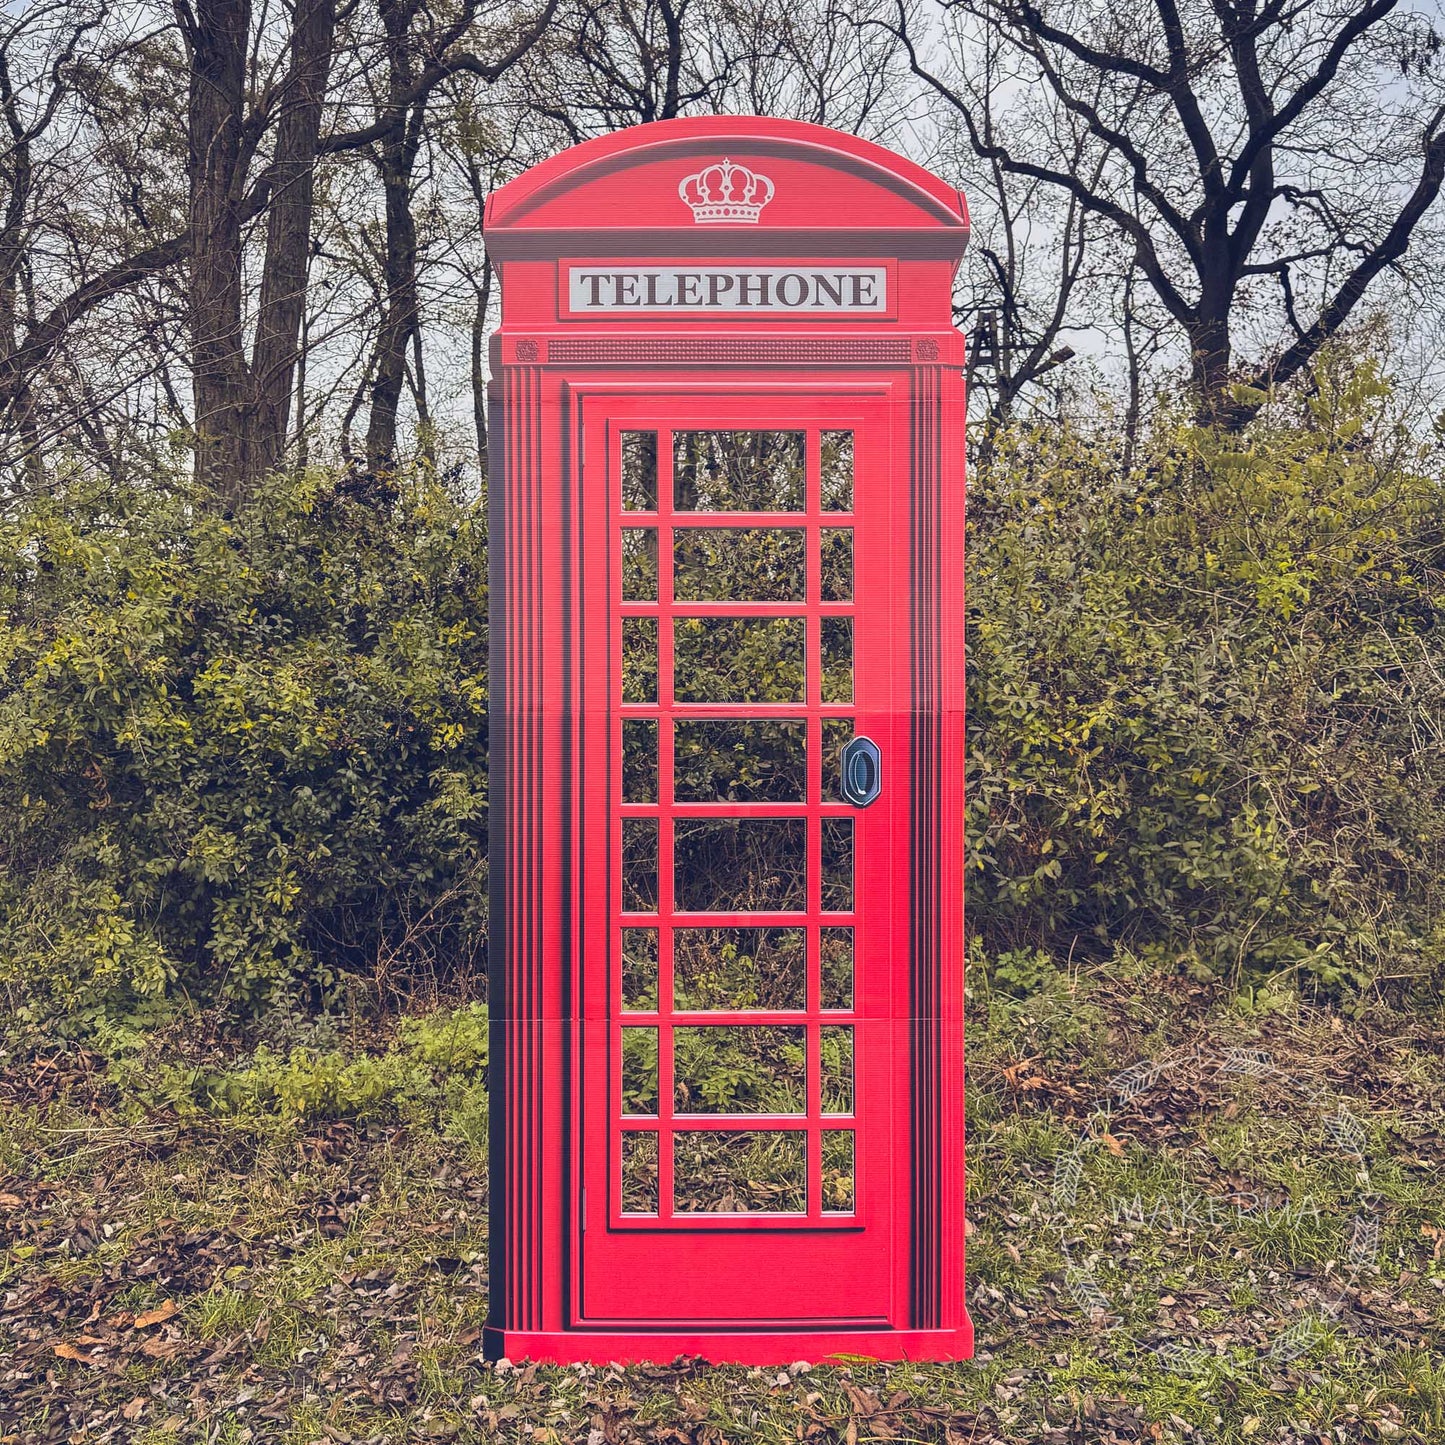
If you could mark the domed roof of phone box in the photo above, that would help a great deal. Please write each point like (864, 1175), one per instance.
(694, 186)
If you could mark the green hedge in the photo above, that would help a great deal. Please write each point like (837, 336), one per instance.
(1205, 710)
(245, 757)
(240, 756)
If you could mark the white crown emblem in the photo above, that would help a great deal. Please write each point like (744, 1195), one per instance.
(725, 192)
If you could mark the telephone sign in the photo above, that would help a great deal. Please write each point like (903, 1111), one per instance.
(726, 959)
(774, 290)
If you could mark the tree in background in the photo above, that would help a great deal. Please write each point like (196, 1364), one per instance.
(241, 406)
(252, 231)
(256, 94)
(1225, 145)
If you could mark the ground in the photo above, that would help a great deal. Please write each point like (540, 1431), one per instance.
(1192, 1218)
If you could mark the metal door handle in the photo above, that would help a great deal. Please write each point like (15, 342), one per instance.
(862, 772)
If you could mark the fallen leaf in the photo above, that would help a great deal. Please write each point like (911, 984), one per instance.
(10, 1201)
(161, 1312)
(73, 1352)
(1013, 1073)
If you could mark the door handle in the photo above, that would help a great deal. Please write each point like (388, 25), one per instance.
(862, 772)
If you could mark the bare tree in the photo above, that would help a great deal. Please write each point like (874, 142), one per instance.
(50, 240)
(257, 226)
(17, 174)
(401, 113)
(1037, 271)
(606, 64)
(257, 91)
(1228, 141)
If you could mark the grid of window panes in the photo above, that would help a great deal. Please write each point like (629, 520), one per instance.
(734, 992)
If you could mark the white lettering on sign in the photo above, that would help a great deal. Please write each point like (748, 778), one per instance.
(593, 289)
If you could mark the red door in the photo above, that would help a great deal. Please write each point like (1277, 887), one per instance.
(743, 1083)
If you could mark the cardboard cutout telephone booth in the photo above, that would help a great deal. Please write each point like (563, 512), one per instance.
(726, 511)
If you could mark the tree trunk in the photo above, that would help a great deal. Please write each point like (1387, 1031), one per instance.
(479, 370)
(399, 318)
(396, 152)
(220, 384)
(672, 20)
(288, 231)
(426, 432)
(1209, 363)
(1133, 411)
(17, 174)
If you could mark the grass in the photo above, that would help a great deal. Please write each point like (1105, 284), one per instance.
(1248, 1247)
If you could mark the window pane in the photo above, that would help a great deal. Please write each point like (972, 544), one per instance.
(738, 659)
(837, 659)
(739, 564)
(837, 1068)
(639, 1173)
(639, 471)
(739, 968)
(639, 564)
(838, 1193)
(741, 1172)
(739, 1069)
(639, 969)
(740, 762)
(837, 471)
(639, 659)
(738, 471)
(837, 865)
(837, 564)
(733, 865)
(639, 1071)
(639, 760)
(835, 966)
(837, 733)
(639, 865)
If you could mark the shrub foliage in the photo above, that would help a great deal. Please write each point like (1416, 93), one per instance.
(1205, 708)
(240, 756)
(244, 756)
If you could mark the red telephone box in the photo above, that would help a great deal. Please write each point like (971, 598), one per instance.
(727, 505)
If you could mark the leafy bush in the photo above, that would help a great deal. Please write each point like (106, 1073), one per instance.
(433, 1073)
(241, 757)
(1022, 972)
(1205, 695)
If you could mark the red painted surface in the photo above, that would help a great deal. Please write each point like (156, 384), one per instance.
(577, 1272)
